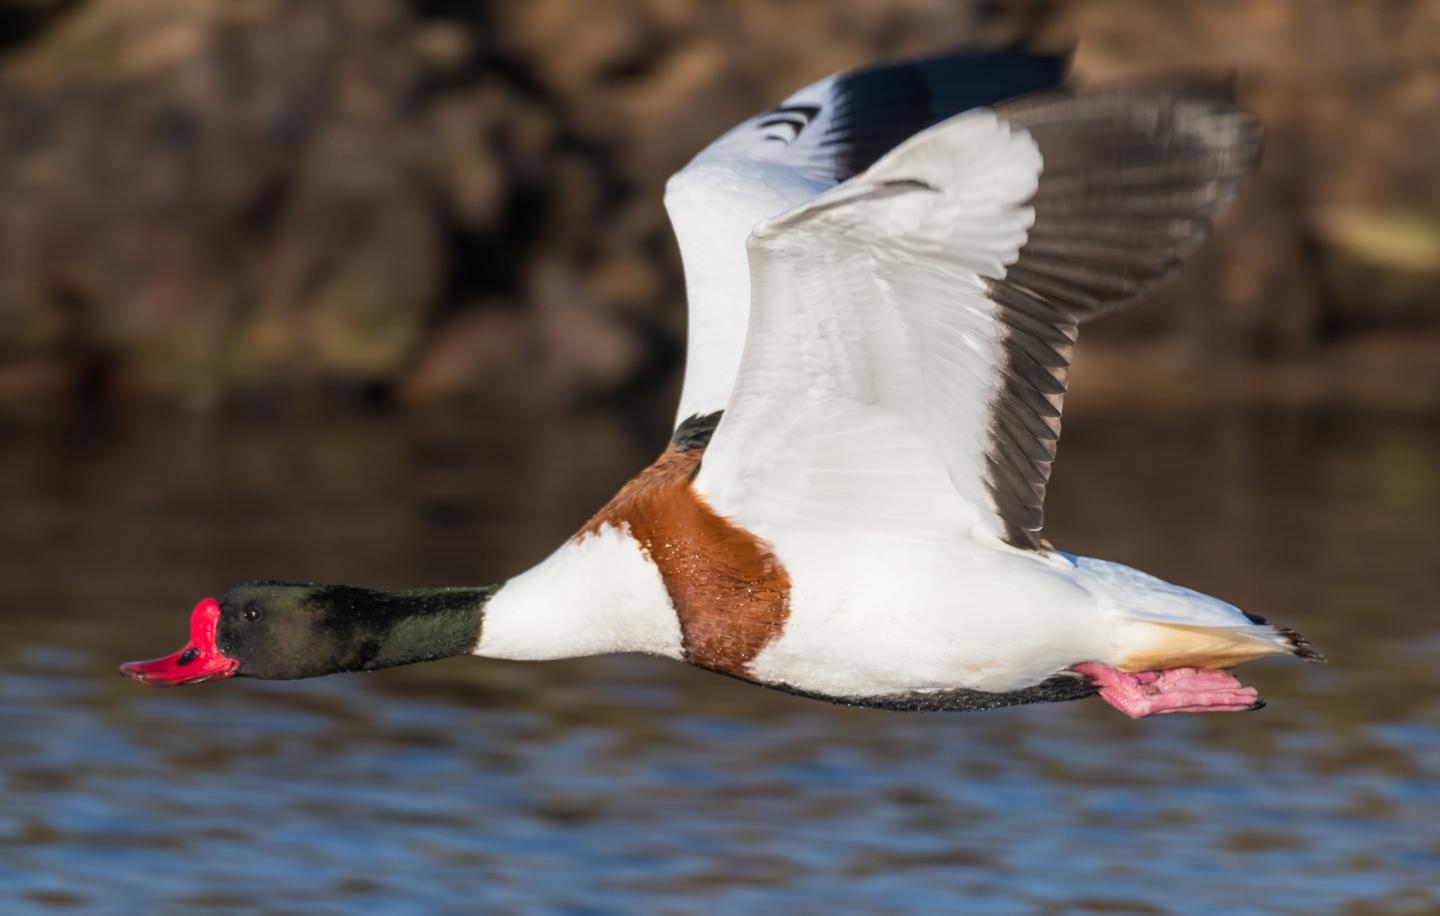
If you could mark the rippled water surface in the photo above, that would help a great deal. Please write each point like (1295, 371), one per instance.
(637, 785)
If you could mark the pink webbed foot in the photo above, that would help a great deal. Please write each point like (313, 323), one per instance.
(1153, 693)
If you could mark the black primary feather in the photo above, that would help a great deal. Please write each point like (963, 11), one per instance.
(1131, 181)
(877, 108)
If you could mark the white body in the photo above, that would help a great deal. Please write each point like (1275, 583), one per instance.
(869, 616)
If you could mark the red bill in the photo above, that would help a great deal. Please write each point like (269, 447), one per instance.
(200, 660)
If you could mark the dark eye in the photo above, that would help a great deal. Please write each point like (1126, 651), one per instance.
(252, 613)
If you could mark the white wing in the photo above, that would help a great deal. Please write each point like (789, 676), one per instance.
(782, 158)
(910, 329)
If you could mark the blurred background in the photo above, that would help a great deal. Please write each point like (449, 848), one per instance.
(382, 292)
(442, 201)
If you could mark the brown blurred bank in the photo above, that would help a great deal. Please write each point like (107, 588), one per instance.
(211, 201)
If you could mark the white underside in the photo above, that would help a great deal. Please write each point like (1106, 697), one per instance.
(872, 616)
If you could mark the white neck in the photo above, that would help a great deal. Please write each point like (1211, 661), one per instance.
(595, 596)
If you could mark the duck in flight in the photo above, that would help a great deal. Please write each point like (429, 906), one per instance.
(886, 275)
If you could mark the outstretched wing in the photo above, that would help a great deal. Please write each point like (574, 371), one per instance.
(911, 329)
(779, 159)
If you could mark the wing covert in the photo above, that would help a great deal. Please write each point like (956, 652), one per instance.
(911, 329)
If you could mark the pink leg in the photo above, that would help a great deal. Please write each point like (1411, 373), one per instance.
(1152, 693)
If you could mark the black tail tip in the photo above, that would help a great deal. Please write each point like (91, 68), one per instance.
(1300, 646)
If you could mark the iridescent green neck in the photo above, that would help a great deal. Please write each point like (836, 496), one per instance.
(291, 630)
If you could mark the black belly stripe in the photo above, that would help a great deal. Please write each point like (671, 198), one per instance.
(1058, 689)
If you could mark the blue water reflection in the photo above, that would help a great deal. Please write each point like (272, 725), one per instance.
(625, 785)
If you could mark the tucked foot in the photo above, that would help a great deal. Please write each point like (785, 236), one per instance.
(1153, 693)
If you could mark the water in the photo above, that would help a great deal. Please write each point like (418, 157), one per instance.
(628, 784)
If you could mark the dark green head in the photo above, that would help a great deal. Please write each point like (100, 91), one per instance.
(284, 630)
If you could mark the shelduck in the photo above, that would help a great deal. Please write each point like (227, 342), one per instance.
(886, 275)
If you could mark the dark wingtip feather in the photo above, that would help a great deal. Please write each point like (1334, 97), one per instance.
(876, 108)
(1132, 179)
